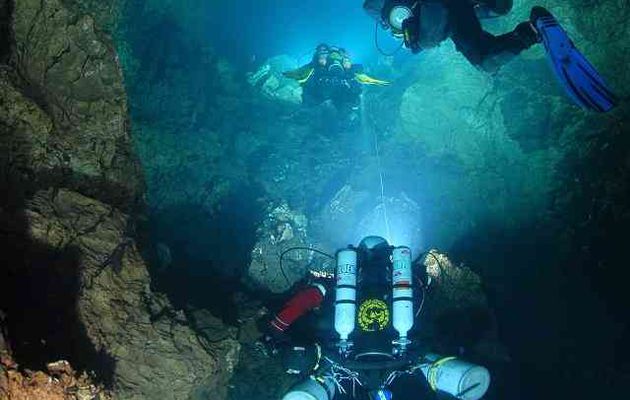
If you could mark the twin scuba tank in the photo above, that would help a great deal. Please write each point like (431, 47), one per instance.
(401, 306)
(460, 379)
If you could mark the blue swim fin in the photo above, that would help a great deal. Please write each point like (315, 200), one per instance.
(579, 78)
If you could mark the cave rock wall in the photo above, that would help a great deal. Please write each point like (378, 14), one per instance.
(77, 283)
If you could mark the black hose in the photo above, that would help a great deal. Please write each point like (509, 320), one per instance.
(290, 249)
(378, 47)
(405, 361)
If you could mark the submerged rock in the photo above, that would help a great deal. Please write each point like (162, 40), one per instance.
(68, 111)
(59, 382)
(156, 353)
(272, 84)
(353, 213)
(71, 186)
(456, 314)
(282, 229)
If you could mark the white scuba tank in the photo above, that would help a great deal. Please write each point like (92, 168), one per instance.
(461, 379)
(346, 294)
(402, 294)
(312, 389)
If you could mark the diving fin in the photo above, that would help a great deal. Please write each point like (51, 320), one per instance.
(579, 78)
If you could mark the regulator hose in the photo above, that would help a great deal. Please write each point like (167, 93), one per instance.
(408, 360)
(378, 47)
(373, 365)
(290, 249)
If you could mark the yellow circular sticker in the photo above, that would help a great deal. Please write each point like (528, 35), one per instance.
(373, 315)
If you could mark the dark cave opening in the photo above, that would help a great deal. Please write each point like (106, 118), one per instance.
(560, 335)
(40, 284)
(6, 10)
(209, 252)
(38, 292)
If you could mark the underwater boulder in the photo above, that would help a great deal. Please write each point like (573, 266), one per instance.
(335, 224)
(447, 109)
(457, 314)
(354, 213)
(151, 345)
(69, 69)
(272, 84)
(59, 382)
(72, 187)
(281, 229)
(5, 351)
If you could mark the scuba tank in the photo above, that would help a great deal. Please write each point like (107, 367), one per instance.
(345, 296)
(401, 306)
(312, 388)
(402, 296)
(458, 378)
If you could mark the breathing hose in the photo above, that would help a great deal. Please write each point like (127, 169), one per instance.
(378, 47)
(290, 249)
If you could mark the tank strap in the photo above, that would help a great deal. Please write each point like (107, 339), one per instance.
(432, 373)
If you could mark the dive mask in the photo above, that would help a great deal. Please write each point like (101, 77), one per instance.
(335, 61)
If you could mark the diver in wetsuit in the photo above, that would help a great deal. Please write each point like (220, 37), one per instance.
(331, 76)
(354, 337)
(424, 24)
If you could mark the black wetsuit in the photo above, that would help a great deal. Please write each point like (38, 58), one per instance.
(337, 85)
(437, 20)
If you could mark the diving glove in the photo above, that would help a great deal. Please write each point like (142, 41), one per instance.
(411, 34)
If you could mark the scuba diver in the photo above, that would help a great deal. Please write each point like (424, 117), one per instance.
(353, 337)
(331, 76)
(425, 24)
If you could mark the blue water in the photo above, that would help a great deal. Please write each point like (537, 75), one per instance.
(255, 29)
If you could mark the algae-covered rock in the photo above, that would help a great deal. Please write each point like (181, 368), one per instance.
(70, 176)
(106, 12)
(456, 311)
(281, 229)
(5, 350)
(26, 130)
(354, 213)
(156, 352)
(272, 84)
(68, 68)
(59, 382)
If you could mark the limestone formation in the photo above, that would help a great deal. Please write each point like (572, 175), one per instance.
(282, 229)
(71, 189)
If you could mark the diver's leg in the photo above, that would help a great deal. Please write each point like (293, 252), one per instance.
(481, 48)
(348, 112)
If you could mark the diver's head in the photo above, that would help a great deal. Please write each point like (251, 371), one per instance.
(335, 60)
(321, 54)
(322, 59)
(370, 243)
(322, 47)
(374, 260)
(347, 63)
